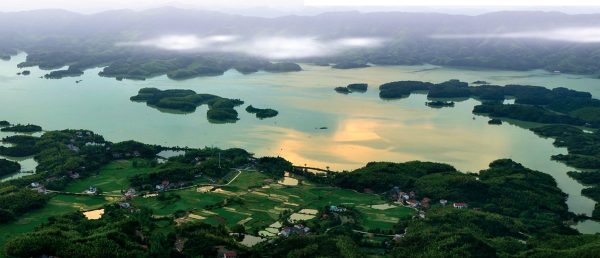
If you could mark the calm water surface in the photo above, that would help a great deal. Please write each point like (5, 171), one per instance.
(361, 127)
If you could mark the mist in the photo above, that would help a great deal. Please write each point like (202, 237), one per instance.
(571, 34)
(274, 47)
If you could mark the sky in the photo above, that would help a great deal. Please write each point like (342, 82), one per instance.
(90, 6)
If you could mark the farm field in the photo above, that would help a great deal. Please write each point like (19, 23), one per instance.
(255, 202)
(113, 177)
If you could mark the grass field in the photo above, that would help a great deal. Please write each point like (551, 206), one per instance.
(112, 178)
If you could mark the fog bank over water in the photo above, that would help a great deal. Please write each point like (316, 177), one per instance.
(275, 47)
(571, 34)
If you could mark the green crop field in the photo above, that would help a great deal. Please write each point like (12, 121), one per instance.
(261, 206)
(112, 178)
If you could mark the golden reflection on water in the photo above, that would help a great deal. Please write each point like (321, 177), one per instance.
(355, 141)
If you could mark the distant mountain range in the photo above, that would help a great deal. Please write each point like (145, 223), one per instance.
(408, 35)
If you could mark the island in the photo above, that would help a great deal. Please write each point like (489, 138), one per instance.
(358, 87)
(4, 123)
(262, 113)
(439, 104)
(24, 73)
(70, 72)
(353, 87)
(29, 128)
(219, 109)
(342, 90)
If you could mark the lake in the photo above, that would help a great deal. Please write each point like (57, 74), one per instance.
(360, 127)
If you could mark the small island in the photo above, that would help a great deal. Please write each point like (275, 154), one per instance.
(342, 90)
(29, 128)
(219, 109)
(495, 121)
(4, 123)
(262, 113)
(353, 87)
(24, 73)
(439, 104)
(71, 72)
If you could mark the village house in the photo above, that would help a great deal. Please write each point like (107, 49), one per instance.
(413, 203)
(334, 208)
(42, 190)
(164, 185)
(223, 252)
(460, 205)
(125, 205)
(130, 193)
(73, 148)
(425, 202)
(297, 229)
(74, 175)
(35, 185)
(92, 190)
(443, 202)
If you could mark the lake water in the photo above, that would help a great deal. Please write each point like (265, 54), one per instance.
(361, 127)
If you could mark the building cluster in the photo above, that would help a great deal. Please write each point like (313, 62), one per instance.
(410, 199)
(297, 229)
(223, 252)
(92, 190)
(35, 186)
(118, 155)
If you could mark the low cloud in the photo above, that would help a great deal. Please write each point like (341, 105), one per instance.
(574, 34)
(268, 47)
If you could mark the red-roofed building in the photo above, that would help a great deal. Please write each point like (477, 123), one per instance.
(230, 254)
(460, 205)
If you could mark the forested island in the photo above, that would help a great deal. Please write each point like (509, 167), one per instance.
(439, 104)
(219, 109)
(191, 67)
(506, 210)
(353, 87)
(262, 113)
(59, 74)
